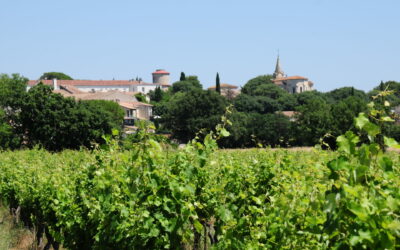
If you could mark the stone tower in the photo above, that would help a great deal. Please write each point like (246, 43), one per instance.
(161, 77)
(278, 71)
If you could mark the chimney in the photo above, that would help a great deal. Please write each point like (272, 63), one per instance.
(55, 86)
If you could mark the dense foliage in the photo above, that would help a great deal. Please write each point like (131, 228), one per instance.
(41, 117)
(55, 122)
(55, 75)
(201, 197)
(258, 117)
(187, 113)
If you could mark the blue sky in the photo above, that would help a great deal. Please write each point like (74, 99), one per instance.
(333, 43)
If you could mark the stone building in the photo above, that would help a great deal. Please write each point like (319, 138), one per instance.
(292, 84)
(160, 79)
(160, 76)
(228, 90)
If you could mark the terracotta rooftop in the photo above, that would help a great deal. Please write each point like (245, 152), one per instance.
(288, 113)
(225, 85)
(160, 71)
(91, 82)
(133, 105)
(290, 78)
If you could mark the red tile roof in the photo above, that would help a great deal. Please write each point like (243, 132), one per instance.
(89, 82)
(290, 78)
(160, 71)
(288, 113)
(133, 105)
(225, 85)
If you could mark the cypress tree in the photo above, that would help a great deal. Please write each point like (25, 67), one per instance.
(381, 86)
(183, 77)
(158, 94)
(217, 85)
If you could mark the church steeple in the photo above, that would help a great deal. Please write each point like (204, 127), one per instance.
(278, 71)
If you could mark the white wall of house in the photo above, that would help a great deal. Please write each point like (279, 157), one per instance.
(144, 88)
(297, 85)
(102, 88)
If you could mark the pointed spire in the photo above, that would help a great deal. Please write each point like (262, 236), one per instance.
(278, 71)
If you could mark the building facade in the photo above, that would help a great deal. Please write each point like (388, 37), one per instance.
(292, 84)
(91, 86)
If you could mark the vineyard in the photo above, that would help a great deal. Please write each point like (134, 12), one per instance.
(201, 197)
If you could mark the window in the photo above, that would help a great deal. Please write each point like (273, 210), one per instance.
(143, 89)
(131, 113)
(294, 90)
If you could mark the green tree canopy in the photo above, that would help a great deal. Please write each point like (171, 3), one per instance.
(313, 122)
(182, 77)
(271, 129)
(217, 84)
(7, 137)
(12, 89)
(344, 111)
(55, 75)
(340, 94)
(268, 94)
(270, 90)
(114, 113)
(191, 83)
(308, 96)
(394, 99)
(189, 112)
(56, 122)
(252, 85)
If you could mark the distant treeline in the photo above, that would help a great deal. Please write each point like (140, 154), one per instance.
(257, 117)
(41, 117)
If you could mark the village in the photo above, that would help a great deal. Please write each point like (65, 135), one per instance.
(123, 92)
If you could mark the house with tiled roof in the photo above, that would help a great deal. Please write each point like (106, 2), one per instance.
(292, 84)
(134, 110)
(227, 90)
(160, 79)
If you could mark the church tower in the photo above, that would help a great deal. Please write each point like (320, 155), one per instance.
(278, 71)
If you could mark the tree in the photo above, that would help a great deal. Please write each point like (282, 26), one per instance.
(183, 77)
(189, 112)
(55, 75)
(158, 94)
(246, 103)
(141, 97)
(114, 113)
(217, 85)
(340, 94)
(313, 122)
(288, 102)
(344, 112)
(191, 83)
(252, 129)
(7, 137)
(394, 86)
(308, 96)
(269, 90)
(12, 96)
(55, 122)
(251, 86)
(240, 134)
(271, 129)
(12, 90)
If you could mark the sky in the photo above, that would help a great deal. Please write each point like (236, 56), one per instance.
(333, 43)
